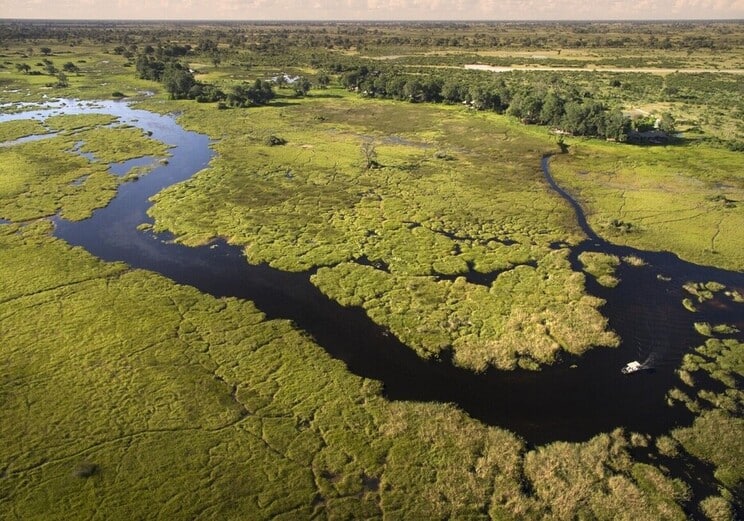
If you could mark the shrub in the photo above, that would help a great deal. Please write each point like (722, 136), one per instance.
(86, 470)
(273, 141)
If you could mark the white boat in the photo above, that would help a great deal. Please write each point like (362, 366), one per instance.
(632, 367)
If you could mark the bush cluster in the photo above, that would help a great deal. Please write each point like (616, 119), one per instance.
(562, 108)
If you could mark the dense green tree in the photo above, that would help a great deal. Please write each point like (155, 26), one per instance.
(148, 68)
(431, 90)
(259, 93)
(205, 93)
(574, 118)
(323, 80)
(526, 106)
(395, 87)
(585, 119)
(178, 80)
(301, 86)
(478, 97)
(378, 86)
(617, 125)
(206, 45)
(413, 90)
(70, 67)
(453, 91)
(486, 97)
(172, 50)
(62, 80)
(666, 123)
(551, 112)
(352, 79)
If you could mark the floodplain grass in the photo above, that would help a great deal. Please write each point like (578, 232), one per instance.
(114, 145)
(100, 74)
(12, 130)
(703, 291)
(718, 428)
(69, 123)
(715, 436)
(312, 203)
(601, 266)
(209, 411)
(40, 179)
(206, 410)
(43, 178)
(604, 459)
(686, 199)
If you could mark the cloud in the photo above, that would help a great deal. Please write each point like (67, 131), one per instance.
(375, 9)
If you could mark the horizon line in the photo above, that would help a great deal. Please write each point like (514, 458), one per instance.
(371, 20)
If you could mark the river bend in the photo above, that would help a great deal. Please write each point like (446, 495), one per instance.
(572, 400)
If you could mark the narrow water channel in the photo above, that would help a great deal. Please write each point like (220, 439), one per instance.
(573, 400)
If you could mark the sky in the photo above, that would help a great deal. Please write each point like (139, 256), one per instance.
(373, 9)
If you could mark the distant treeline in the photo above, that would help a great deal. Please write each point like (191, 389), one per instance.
(180, 83)
(278, 36)
(559, 106)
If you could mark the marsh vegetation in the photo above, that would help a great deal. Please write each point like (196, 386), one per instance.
(443, 231)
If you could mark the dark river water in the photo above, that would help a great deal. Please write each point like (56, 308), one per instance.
(572, 400)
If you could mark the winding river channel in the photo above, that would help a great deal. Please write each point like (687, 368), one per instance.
(572, 400)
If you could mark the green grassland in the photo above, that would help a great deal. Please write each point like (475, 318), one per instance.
(206, 410)
(423, 220)
(100, 74)
(686, 199)
(42, 178)
(12, 130)
(126, 396)
(601, 266)
(715, 435)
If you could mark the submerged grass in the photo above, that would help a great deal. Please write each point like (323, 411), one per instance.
(520, 320)
(113, 145)
(598, 479)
